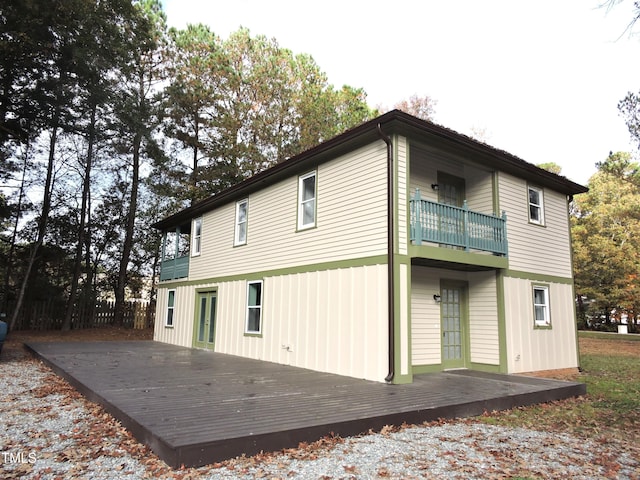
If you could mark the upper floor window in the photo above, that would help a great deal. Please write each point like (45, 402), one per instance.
(242, 209)
(536, 206)
(307, 200)
(541, 314)
(197, 236)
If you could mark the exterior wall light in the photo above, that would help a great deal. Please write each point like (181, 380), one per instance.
(435, 186)
(437, 298)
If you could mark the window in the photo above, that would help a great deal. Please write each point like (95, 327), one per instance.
(254, 307)
(240, 236)
(197, 236)
(536, 207)
(541, 315)
(307, 200)
(171, 300)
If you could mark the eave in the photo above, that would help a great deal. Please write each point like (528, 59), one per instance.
(394, 122)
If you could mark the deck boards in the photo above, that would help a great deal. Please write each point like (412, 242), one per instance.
(195, 407)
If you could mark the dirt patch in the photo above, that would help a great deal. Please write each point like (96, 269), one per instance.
(14, 343)
(616, 347)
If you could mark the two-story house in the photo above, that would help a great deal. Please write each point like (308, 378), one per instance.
(397, 248)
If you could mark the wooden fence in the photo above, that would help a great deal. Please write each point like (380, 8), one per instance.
(49, 315)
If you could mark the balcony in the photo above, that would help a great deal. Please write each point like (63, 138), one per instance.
(174, 268)
(175, 253)
(459, 227)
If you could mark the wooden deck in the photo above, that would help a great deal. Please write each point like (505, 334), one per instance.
(195, 407)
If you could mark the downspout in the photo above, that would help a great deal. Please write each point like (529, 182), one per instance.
(390, 261)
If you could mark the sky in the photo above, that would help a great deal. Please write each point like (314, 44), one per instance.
(542, 78)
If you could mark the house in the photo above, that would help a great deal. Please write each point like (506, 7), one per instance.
(397, 248)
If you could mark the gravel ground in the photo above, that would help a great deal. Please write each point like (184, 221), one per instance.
(50, 431)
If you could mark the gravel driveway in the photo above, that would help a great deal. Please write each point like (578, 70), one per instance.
(50, 431)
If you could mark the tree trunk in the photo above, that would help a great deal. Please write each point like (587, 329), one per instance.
(128, 238)
(77, 268)
(14, 234)
(42, 225)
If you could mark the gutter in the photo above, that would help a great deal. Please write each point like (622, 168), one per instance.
(390, 260)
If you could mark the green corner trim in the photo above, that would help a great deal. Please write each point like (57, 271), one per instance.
(502, 322)
(458, 256)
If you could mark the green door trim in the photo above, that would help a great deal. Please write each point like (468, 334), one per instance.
(465, 361)
(204, 323)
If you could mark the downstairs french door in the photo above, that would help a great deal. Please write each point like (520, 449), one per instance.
(204, 329)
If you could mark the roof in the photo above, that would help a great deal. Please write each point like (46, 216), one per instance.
(391, 122)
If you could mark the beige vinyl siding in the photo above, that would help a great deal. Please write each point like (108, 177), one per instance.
(425, 315)
(531, 349)
(403, 198)
(483, 318)
(533, 248)
(425, 163)
(350, 221)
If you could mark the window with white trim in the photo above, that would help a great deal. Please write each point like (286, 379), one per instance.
(536, 206)
(541, 314)
(242, 210)
(254, 307)
(197, 237)
(171, 301)
(307, 200)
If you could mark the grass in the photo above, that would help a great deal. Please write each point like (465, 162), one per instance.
(610, 366)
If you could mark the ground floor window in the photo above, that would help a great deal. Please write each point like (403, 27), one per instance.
(171, 300)
(254, 307)
(541, 313)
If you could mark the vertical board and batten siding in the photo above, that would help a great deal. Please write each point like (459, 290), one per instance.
(332, 321)
(425, 163)
(484, 341)
(533, 248)
(350, 221)
(183, 317)
(532, 349)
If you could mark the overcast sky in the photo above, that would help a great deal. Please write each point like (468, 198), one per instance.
(543, 77)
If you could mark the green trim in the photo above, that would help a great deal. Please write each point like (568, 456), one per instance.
(485, 367)
(538, 277)
(254, 335)
(315, 201)
(457, 256)
(398, 377)
(259, 275)
(194, 340)
(496, 193)
(422, 369)
(573, 286)
(502, 322)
